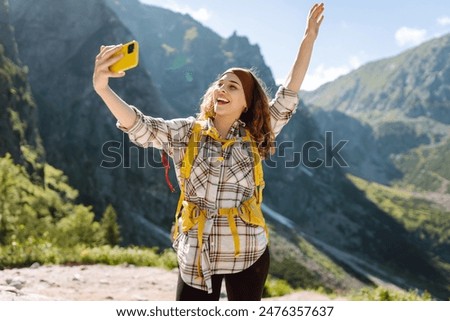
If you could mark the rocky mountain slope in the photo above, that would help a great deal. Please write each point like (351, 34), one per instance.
(18, 113)
(388, 108)
(75, 125)
(182, 55)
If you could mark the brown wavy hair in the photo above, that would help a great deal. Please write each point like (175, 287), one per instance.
(256, 118)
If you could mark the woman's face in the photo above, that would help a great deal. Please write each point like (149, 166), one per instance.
(229, 96)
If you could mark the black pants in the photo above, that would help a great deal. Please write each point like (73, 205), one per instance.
(247, 285)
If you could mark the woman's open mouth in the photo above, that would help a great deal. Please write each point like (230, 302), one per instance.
(222, 101)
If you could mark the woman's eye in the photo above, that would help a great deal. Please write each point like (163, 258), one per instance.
(232, 87)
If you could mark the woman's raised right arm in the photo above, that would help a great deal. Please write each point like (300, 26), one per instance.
(119, 108)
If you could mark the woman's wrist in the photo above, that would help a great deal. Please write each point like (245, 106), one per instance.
(103, 91)
(310, 35)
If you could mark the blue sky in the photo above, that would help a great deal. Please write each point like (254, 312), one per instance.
(353, 32)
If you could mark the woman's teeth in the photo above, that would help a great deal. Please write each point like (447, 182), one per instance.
(222, 101)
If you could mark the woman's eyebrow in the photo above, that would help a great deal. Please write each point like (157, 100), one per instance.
(223, 80)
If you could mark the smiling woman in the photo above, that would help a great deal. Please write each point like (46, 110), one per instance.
(219, 231)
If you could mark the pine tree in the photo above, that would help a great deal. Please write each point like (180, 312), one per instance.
(110, 230)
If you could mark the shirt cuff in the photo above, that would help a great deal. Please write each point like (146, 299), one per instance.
(290, 98)
(139, 116)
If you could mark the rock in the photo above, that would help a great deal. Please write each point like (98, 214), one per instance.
(17, 283)
(35, 265)
(76, 277)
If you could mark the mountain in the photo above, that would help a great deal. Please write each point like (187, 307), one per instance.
(78, 131)
(339, 237)
(393, 113)
(414, 83)
(182, 55)
(389, 107)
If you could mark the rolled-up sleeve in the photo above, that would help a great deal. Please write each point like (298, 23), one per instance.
(282, 107)
(157, 132)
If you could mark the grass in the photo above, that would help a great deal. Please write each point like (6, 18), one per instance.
(384, 294)
(21, 255)
(425, 220)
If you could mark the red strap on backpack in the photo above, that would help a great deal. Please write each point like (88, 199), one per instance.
(166, 165)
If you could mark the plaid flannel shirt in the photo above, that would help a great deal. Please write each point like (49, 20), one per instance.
(213, 184)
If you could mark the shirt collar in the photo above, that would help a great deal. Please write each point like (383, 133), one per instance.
(234, 129)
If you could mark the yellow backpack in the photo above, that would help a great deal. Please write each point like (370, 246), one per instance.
(249, 211)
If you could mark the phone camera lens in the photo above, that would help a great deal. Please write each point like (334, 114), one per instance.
(130, 48)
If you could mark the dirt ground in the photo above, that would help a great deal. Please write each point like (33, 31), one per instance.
(101, 282)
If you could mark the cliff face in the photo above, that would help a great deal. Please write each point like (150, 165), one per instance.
(6, 33)
(18, 113)
(75, 124)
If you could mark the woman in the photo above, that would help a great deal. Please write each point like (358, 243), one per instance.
(222, 231)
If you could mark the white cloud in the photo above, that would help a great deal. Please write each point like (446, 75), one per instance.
(323, 74)
(443, 21)
(200, 14)
(409, 36)
(355, 62)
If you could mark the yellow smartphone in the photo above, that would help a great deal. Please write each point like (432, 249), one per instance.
(130, 58)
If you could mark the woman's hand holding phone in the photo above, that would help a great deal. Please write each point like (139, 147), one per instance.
(112, 61)
(107, 57)
(130, 57)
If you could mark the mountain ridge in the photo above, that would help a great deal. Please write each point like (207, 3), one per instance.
(404, 108)
(359, 85)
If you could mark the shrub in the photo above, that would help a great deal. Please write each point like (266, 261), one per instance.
(383, 294)
(275, 287)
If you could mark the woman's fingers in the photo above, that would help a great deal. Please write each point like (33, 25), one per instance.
(319, 22)
(119, 74)
(314, 19)
(107, 51)
(111, 51)
(108, 61)
(316, 15)
(317, 10)
(105, 58)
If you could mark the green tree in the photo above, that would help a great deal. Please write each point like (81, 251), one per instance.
(78, 228)
(109, 229)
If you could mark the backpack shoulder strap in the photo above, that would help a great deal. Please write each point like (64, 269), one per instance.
(258, 172)
(191, 150)
(186, 166)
